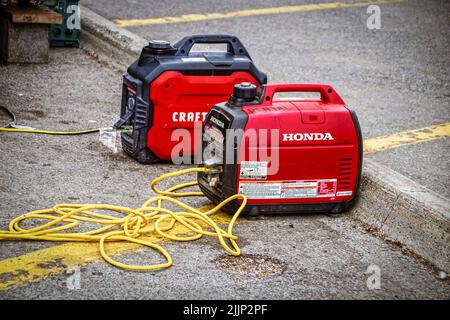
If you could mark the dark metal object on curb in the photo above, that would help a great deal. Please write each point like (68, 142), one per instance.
(65, 34)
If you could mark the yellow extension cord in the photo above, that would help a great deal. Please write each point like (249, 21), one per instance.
(151, 217)
(5, 129)
(13, 127)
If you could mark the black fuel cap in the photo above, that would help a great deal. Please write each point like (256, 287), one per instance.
(159, 44)
(244, 90)
(159, 47)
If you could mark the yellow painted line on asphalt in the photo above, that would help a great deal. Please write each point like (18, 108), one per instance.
(407, 138)
(245, 13)
(37, 265)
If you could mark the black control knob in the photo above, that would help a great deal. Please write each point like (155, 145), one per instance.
(244, 90)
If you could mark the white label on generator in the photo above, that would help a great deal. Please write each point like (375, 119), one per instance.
(344, 193)
(299, 189)
(289, 189)
(253, 169)
(194, 59)
(255, 190)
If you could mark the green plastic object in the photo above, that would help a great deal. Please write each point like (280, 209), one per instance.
(66, 34)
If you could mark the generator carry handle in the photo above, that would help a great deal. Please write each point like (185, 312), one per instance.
(235, 46)
(327, 92)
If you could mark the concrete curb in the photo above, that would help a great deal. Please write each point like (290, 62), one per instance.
(403, 211)
(394, 206)
(108, 43)
(109, 32)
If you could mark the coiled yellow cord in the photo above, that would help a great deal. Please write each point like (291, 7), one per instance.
(151, 217)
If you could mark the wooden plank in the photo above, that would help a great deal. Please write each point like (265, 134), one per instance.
(38, 15)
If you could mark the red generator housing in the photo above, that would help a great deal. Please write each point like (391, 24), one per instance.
(170, 88)
(308, 160)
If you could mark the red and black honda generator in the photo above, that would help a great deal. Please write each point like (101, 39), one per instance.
(170, 88)
(285, 154)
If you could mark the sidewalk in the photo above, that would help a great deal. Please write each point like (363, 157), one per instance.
(303, 256)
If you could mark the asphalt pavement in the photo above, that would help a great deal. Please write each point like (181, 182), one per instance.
(395, 78)
(286, 257)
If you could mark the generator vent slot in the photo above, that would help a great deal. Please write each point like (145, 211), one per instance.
(345, 174)
(140, 117)
(127, 147)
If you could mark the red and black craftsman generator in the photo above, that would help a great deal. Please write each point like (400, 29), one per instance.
(287, 155)
(174, 87)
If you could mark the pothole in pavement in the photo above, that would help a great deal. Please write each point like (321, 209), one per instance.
(251, 265)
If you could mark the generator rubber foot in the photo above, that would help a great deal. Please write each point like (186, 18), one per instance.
(253, 214)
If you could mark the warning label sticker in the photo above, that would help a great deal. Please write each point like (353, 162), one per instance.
(253, 170)
(326, 188)
(289, 189)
